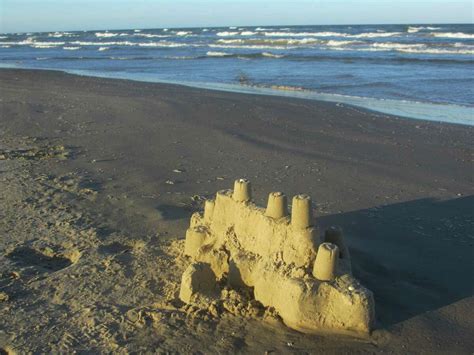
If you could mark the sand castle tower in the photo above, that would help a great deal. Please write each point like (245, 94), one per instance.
(306, 277)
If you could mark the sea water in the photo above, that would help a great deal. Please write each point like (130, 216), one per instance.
(415, 71)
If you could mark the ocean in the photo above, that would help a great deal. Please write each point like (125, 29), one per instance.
(416, 71)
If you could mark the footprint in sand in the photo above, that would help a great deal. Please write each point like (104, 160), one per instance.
(114, 248)
(42, 261)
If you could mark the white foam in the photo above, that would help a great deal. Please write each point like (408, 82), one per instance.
(231, 41)
(333, 43)
(414, 29)
(27, 42)
(332, 34)
(390, 46)
(419, 48)
(106, 34)
(61, 34)
(5, 46)
(255, 46)
(165, 44)
(183, 33)
(183, 57)
(55, 34)
(303, 34)
(101, 49)
(405, 48)
(463, 45)
(149, 35)
(271, 55)
(247, 33)
(269, 42)
(226, 33)
(89, 43)
(33, 44)
(436, 51)
(217, 54)
(131, 44)
(43, 46)
(375, 34)
(452, 34)
(137, 30)
(71, 48)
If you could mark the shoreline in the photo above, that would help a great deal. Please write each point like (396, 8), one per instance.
(99, 178)
(415, 110)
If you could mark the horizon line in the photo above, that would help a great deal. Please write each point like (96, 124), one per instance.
(229, 26)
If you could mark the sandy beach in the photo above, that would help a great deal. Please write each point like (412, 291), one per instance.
(99, 177)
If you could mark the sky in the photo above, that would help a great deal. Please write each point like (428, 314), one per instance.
(63, 15)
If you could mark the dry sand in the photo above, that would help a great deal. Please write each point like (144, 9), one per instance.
(98, 179)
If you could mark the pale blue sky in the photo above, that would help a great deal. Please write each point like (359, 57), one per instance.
(55, 15)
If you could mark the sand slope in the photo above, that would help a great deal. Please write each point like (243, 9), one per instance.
(98, 179)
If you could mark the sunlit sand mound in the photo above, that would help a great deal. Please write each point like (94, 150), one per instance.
(306, 278)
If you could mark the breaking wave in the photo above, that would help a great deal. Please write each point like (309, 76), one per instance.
(106, 34)
(408, 48)
(218, 54)
(249, 46)
(415, 29)
(332, 34)
(149, 35)
(226, 33)
(270, 42)
(162, 44)
(183, 33)
(272, 55)
(333, 43)
(453, 35)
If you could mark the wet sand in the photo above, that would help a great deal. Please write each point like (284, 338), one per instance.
(98, 179)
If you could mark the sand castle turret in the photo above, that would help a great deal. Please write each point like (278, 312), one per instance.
(277, 205)
(242, 190)
(326, 262)
(305, 277)
(208, 210)
(301, 211)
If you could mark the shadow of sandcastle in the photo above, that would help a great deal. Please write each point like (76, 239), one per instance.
(415, 256)
(305, 277)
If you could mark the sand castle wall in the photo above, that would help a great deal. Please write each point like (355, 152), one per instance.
(306, 277)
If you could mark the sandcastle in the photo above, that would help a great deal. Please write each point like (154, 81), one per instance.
(305, 277)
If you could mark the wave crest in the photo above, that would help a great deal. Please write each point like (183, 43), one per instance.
(453, 35)
(105, 34)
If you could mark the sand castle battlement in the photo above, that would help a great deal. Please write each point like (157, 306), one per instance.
(305, 277)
